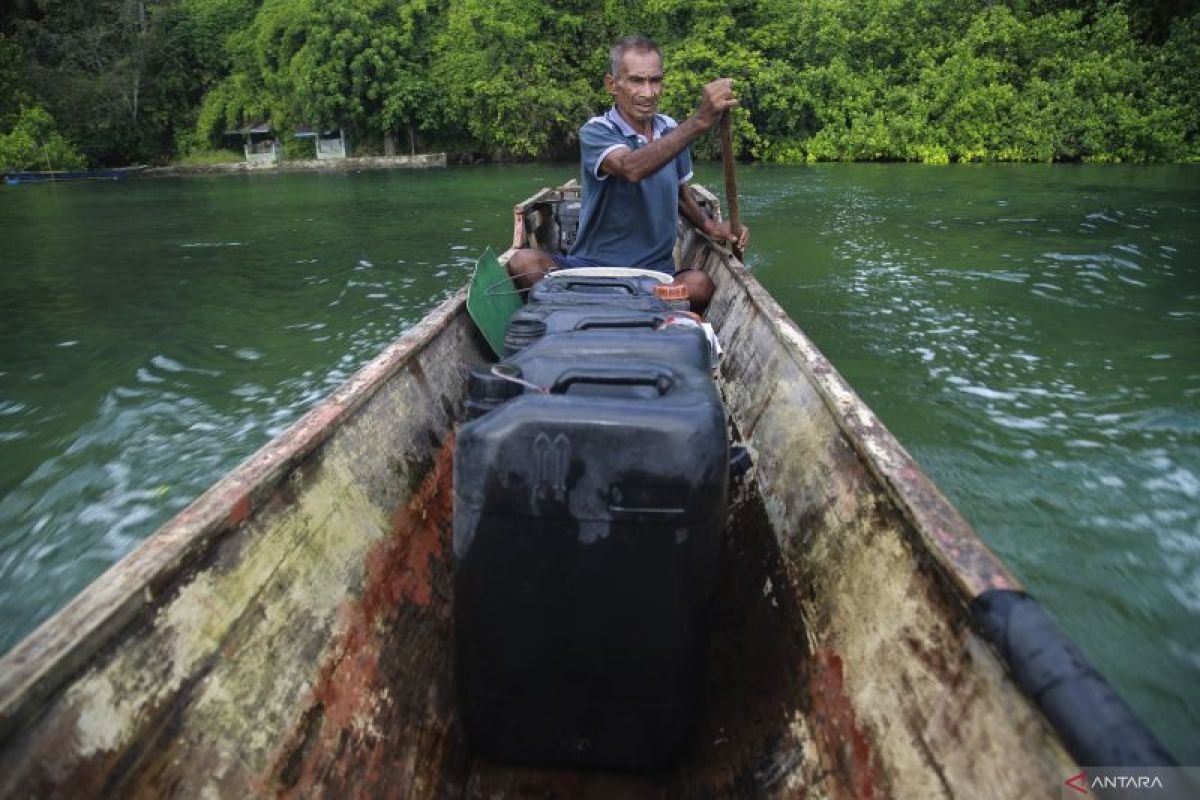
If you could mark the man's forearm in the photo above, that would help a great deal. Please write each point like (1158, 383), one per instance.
(633, 165)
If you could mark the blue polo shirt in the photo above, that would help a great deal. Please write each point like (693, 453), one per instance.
(625, 224)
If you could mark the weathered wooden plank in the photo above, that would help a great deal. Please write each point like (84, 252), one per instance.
(910, 702)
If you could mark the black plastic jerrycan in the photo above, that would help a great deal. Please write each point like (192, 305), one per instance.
(587, 526)
(533, 321)
(567, 287)
(490, 385)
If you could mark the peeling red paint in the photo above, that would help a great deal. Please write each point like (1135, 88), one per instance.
(838, 732)
(354, 694)
(407, 575)
(239, 511)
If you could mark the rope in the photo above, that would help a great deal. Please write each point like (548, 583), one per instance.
(519, 381)
(491, 291)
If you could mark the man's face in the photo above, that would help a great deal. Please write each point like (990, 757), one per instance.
(637, 88)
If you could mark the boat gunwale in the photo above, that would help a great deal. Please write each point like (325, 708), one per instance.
(1032, 652)
(35, 668)
(953, 541)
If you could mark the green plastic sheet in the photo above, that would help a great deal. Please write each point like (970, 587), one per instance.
(492, 299)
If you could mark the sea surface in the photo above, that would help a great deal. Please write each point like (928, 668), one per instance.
(1030, 333)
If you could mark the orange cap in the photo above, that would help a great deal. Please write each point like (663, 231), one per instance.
(671, 291)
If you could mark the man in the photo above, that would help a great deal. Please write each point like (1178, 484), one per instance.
(636, 166)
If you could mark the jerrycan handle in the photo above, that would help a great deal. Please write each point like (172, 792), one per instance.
(611, 286)
(631, 377)
(592, 323)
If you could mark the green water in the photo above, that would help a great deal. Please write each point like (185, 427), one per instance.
(1031, 334)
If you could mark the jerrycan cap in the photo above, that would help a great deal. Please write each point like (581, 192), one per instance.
(671, 291)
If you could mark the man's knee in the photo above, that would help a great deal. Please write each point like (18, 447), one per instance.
(527, 266)
(700, 288)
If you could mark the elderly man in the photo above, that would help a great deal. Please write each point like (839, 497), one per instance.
(636, 166)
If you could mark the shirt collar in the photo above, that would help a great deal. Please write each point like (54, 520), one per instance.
(658, 125)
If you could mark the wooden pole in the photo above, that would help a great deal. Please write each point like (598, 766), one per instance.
(731, 197)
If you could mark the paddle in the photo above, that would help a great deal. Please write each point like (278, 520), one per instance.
(730, 181)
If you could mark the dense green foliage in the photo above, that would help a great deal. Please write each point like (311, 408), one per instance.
(33, 143)
(29, 138)
(916, 80)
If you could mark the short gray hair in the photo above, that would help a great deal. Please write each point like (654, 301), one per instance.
(624, 45)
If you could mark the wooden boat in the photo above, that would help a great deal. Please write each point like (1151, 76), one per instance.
(112, 174)
(289, 633)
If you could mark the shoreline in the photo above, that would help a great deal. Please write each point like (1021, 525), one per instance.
(422, 161)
